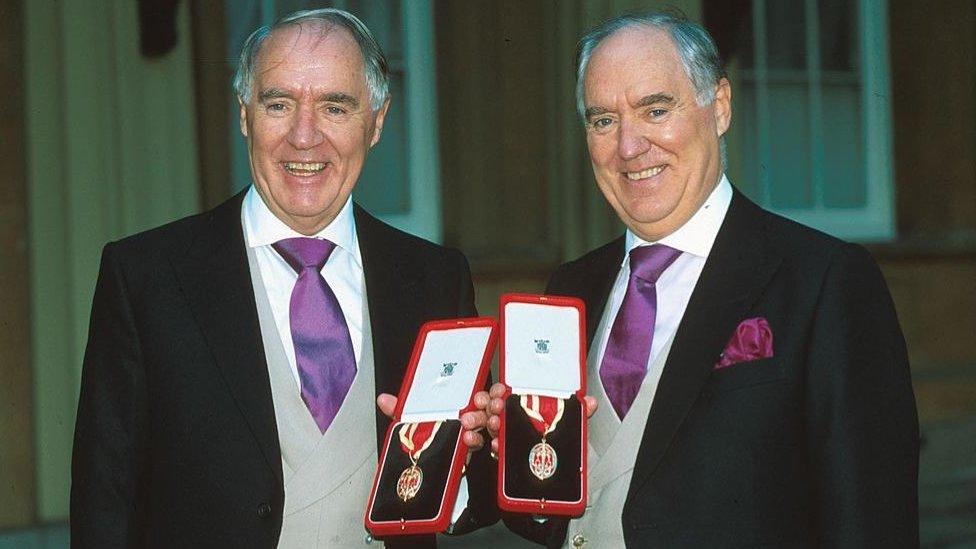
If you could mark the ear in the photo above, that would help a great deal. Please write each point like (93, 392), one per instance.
(723, 106)
(240, 102)
(378, 124)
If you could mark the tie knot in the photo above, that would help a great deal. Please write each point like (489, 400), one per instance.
(648, 262)
(301, 253)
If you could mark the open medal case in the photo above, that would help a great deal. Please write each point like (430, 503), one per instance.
(542, 437)
(423, 456)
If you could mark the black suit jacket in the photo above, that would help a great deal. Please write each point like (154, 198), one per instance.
(176, 443)
(815, 447)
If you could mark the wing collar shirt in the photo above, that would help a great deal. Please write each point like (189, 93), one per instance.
(674, 288)
(343, 271)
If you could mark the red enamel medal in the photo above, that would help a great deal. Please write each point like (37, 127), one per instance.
(414, 439)
(544, 413)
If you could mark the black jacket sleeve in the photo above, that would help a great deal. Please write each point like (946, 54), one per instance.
(110, 435)
(862, 425)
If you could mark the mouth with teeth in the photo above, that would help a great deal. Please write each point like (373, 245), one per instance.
(645, 174)
(303, 169)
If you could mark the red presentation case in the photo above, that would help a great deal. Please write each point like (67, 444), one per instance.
(543, 353)
(449, 364)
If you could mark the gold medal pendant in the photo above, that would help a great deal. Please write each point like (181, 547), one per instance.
(409, 484)
(415, 438)
(543, 460)
(544, 414)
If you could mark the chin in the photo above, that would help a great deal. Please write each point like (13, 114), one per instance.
(643, 212)
(312, 198)
(308, 211)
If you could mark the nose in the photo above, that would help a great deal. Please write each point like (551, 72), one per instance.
(304, 132)
(632, 142)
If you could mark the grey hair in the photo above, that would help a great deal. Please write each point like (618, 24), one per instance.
(374, 62)
(695, 46)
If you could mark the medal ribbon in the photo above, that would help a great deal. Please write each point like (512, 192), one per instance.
(544, 412)
(417, 437)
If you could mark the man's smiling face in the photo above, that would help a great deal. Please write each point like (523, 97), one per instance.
(309, 124)
(655, 151)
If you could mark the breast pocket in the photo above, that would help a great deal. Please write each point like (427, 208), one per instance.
(746, 374)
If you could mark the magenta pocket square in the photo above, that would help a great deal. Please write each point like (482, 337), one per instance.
(752, 340)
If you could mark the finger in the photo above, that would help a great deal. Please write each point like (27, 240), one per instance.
(494, 424)
(591, 405)
(473, 440)
(494, 447)
(497, 390)
(387, 404)
(481, 400)
(472, 421)
(496, 406)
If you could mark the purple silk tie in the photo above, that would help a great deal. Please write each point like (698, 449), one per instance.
(629, 346)
(323, 348)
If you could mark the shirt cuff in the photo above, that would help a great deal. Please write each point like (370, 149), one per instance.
(460, 504)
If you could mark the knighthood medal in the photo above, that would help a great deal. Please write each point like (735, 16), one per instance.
(544, 413)
(414, 439)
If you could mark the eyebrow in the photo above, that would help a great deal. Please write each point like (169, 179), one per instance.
(340, 97)
(655, 99)
(594, 111)
(647, 100)
(272, 93)
(331, 97)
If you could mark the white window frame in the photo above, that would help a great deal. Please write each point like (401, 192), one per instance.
(423, 150)
(875, 220)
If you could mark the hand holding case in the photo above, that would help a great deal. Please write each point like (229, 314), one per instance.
(449, 364)
(543, 354)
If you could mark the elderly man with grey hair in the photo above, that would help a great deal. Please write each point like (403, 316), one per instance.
(750, 375)
(236, 358)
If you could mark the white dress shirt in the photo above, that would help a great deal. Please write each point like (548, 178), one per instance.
(674, 287)
(343, 271)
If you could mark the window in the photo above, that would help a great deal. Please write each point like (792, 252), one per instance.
(811, 137)
(400, 182)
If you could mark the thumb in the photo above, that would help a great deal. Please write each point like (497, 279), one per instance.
(387, 404)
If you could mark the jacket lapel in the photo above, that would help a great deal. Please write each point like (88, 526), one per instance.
(394, 304)
(594, 283)
(215, 278)
(735, 274)
(599, 291)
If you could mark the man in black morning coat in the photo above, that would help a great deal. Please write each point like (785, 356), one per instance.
(184, 437)
(775, 405)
